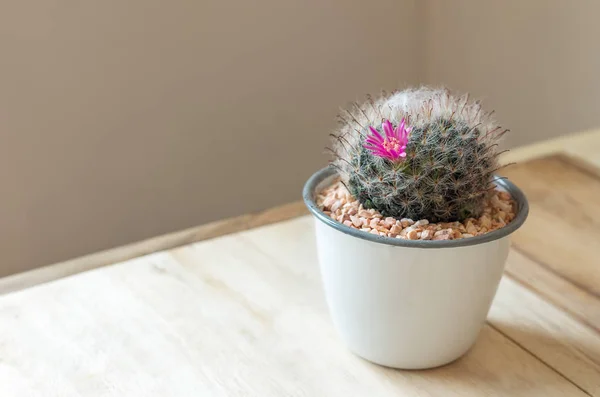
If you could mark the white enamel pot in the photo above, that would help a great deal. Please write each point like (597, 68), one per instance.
(408, 304)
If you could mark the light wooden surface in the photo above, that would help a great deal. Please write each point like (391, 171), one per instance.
(119, 254)
(585, 145)
(243, 314)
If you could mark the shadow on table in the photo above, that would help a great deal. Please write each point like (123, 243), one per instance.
(556, 350)
(500, 362)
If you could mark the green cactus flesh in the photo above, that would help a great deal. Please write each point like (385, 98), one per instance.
(450, 162)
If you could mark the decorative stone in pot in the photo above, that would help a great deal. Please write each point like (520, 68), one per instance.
(413, 226)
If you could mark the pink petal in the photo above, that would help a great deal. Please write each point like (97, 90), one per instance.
(376, 133)
(380, 153)
(400, 130)
(373, 141)
(387, 127)
(403, 131)
(373, 147)
(383, 155)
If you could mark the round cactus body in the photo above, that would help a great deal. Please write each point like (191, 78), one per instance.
(419, 153)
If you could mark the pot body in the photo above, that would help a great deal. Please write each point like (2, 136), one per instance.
(408, 307)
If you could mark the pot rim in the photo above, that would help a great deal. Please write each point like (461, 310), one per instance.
(318, 177)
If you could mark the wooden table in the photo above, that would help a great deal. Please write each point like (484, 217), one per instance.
(243, 314)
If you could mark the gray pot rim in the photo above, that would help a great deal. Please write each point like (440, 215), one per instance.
(308, 194)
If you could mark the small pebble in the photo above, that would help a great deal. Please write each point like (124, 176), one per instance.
(444, 232)
(504, 196)
(396, 229)
(389, 222)
(501, 215)
(426, 234)
(337, 203)
(405, 222)
(412, 235)
(328, 202)
(471, 229)
(485, 222)
(335, 206)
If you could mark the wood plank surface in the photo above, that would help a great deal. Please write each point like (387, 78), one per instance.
(566, 344)
(548, 333)
(243, 315)
(155, 244)
(584, 146)
(557, 249)
(554, 288)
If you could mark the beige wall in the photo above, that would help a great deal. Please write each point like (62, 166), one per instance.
(122, 120)
(536, 62)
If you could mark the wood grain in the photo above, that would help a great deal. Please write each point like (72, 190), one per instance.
(584, 146)
(240, 315)
(561, 341)
(555, 289)
(550, 334)
(203, 232)
(558, 254)
(243, 314)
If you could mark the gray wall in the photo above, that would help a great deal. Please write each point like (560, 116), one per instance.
(115, 116)
(536, 62)
(122, 120)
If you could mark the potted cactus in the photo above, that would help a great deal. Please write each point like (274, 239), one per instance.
(413, 225)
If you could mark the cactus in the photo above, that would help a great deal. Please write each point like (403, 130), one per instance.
(420, 153)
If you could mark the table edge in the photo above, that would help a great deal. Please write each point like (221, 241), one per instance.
(163, 242)
(223, 227)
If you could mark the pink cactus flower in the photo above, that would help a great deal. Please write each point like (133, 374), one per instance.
(392, 146)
